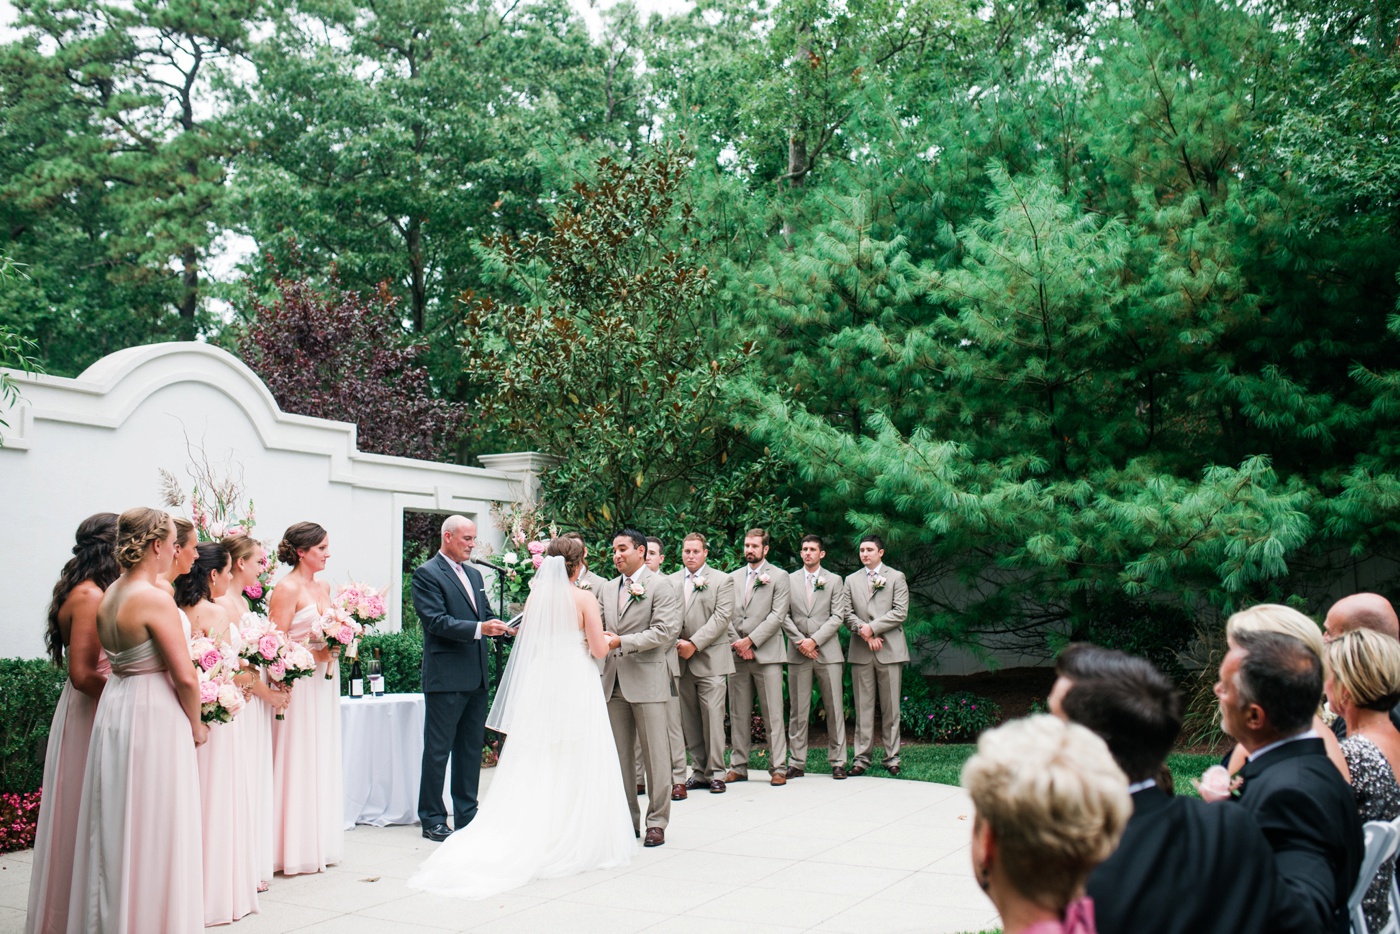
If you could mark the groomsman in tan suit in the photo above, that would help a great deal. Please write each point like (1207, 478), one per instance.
(641, 617)
(816, 610)
(707, 602)
(877, 608)
(760, 610)
(655, 555)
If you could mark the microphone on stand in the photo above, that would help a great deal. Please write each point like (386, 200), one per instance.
(488, 564)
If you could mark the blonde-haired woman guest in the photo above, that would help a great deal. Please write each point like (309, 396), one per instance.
(1363, 684)
(1275, 617)
(1050, 806)
(137, 865)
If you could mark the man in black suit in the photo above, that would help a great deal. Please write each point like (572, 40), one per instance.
(1182, 866)
(1361, 611)
(450, 599)
(1269, 688)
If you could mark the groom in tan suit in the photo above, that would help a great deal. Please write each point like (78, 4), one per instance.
(760, 610)
(816, 610)
(707, 602)
(879, 604)
(641, 617)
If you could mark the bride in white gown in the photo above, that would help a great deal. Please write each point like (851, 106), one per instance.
(554, 807)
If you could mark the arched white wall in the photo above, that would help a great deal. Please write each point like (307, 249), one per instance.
(95, 443)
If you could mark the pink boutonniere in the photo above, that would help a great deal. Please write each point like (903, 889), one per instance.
(582, 584)
(699, 583)
(636, 590)
(763, 580)
(819, 583)
(877, 583)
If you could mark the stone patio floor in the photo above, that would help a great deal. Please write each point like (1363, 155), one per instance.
(865, 854)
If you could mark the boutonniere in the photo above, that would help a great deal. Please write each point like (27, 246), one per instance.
(819, 583)
(636, 590)
(763, 580)
(1217, 784)
(582, 584)
(877, 583)
(699, 583)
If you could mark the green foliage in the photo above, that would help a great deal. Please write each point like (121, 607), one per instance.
(32, 688)
(402, 654)
(939, 717)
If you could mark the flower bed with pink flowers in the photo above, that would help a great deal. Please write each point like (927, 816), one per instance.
(19, 818)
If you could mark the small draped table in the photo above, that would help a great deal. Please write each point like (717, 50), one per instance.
(382, 758)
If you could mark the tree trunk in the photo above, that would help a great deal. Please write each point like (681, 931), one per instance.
(189, 299)
(417, 280)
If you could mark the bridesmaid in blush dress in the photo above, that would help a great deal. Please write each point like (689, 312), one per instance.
(248, 560)
(308, 799)
(230, 856)
(72, 630)
(185, 542)
(137, 861)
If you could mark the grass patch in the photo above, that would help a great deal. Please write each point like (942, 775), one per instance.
(920, 762)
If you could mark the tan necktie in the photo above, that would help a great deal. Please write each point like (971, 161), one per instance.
(870, 581)
(748, 588)
(466, 584)
(689, 588)
(622, 594)
(811, 589)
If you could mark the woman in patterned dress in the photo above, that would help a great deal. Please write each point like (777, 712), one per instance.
(1363, 684)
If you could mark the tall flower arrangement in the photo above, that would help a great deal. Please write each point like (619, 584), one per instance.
(526, 538)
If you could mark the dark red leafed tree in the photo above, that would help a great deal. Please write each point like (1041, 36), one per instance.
(343, 355)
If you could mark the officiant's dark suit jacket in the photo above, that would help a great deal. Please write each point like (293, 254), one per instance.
(1308, 814)
(1186, 867)
(453, 658)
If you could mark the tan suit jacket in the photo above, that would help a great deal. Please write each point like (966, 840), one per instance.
(595, 582)
(762, 620)
(820, 621)
(885, 610)
(706, 623)
(648, 626)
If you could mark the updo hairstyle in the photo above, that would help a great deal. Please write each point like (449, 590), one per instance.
(193, 588)
(184, 531)
(568, 548)
(302, 535)
(239, 547)
(136, 529)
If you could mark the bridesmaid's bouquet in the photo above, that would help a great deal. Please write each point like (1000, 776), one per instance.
(338, 628)
(294, 662)
(362, 603)
(263, 642)
(220, 699)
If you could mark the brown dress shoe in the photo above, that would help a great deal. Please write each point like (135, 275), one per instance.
(838, 772)
(716, 787)
(778, 779)
(795, 772)
(859, 769)
(678, 793)
(697, 783)
(893, 770)
(641, 790)
(733, 777)
(655, 837)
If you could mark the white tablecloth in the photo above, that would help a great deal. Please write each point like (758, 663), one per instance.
(382, 758)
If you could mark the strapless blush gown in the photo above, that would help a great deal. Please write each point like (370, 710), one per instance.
(230, 851)
(256, 756)
(137, 859)
(65, 762)
(308, 787)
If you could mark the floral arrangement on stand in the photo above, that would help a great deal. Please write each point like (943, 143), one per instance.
(214, 502)
(526, 538)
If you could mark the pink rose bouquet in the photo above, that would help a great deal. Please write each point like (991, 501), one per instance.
(220, 699)
(362, 603)
(337, 629)
(295, 662)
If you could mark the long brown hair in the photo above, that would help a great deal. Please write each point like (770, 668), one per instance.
(94, 559)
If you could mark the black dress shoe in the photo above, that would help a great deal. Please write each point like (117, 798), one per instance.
(437, 832)
(858, 769)
(697, 783)
(893, 770)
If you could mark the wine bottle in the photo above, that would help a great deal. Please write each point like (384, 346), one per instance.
(376, 674)
(357, 679)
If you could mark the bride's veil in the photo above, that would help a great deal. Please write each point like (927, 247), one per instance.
(549, 637)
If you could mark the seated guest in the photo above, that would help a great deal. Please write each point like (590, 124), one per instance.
(1183, 866)
(1361, 611)
(1363, 685)
(1050, 806)
(1274, 617)
(1268, 690)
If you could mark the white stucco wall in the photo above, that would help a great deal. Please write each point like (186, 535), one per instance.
(96, 443)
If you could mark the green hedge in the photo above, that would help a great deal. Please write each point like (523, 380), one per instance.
(402, 653)
(27, 702)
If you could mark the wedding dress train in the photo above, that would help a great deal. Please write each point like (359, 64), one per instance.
(554, 807)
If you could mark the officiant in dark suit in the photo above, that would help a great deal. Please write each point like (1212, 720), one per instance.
(450, 599)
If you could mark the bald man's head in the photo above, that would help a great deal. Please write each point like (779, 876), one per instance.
(1362, 611)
